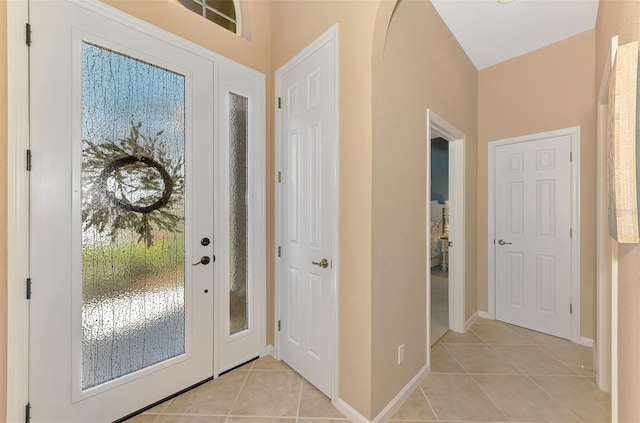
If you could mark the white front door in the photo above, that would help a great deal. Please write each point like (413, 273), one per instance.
(121, 217)
(306, 134)
(532, 234)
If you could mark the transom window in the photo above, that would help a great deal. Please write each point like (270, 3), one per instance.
(222, 12)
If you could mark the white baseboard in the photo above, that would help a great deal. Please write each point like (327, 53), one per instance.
(349, 412)
(484, 315)
(585, 341)
(393, 406)
(271, 350)
(470, 321)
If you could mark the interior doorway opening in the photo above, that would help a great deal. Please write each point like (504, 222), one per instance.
(439, 226)
(453, 240)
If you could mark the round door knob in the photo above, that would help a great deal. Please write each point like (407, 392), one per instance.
(324, 263)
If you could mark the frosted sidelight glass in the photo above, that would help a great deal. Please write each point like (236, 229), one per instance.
(133, 283)
(238, 124)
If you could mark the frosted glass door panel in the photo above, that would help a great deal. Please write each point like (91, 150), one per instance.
(133, 244)
(238, 214)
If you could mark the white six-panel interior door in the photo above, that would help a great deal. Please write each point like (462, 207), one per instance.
(306, 222)
(533, 234)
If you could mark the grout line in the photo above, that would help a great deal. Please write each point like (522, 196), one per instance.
(299, 399)
(490, 399)
(428, 402)
(457, 361)
(477, 384)
(238, 395)
(552, 397)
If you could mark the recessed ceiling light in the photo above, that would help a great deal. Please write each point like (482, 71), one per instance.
(505, 1)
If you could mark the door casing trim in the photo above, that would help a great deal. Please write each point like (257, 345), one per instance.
(329, 36)
(574, 134)
(17, 211)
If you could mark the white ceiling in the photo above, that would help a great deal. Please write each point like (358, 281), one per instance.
(490, 32)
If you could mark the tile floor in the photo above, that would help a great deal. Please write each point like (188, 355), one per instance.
(493, 372)
(263, 391)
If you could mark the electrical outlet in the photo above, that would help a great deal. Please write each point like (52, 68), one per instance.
(400, 354)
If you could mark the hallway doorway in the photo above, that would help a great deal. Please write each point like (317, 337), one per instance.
(445, 295)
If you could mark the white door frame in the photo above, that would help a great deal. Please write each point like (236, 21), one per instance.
(438, 127)
(605, 347)
(331, 35)
(574, 134)
(18, 182)
(17, 212)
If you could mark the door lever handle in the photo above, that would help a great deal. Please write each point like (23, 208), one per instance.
(324, 263)
(502, 242)
(204, 260)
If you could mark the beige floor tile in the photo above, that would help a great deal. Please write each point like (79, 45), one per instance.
(190, 419)
(576, 357)
(260, 420)
(215, 397)
(443, 362)
(537, 337)
(269, 363)
(460, 338)
(481, 358)
(415, 407)
(531, 360)
(143, 418)
(522, 401)
(458, 397)
(314, 403)
(578, 394)
(268, 393)
(497, 334)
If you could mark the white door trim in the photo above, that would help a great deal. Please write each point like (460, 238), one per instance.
(17, 211)
(606, 302)
(331, 35)
(438, 127)
(574, 134)
(18, 181)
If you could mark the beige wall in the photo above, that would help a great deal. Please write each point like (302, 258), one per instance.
(3, 208)
(423, 67)
(622, 18)
(548, 89)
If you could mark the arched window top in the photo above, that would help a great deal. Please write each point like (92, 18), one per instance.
(225, 13)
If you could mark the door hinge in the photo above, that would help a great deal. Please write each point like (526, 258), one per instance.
(279, 177)
(28, 160)
(279, 103)
(28, 34)
(27, 413)
(279, 325)
(570, 308)
(279, 251)
(28, 288)
(571, 156)
(570, 232)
